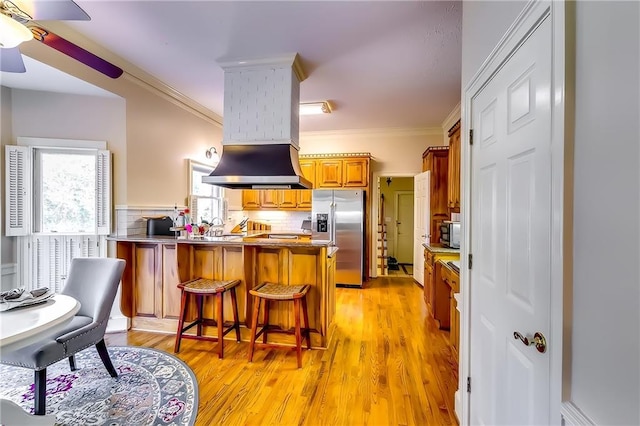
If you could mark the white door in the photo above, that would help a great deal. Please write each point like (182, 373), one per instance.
(404, 226)
(510, 238)
(421, 223)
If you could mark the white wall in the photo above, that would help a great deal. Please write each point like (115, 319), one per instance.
(483, 24)
(605, 366)
(392, 151)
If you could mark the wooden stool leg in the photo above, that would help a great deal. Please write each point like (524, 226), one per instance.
(199, 304)
(306, 321)
(266, 320)
(220, 323)
(296, 309)
(183, 315)
(236, 321)
(254, 325)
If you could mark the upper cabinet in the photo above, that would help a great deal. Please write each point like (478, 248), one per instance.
(323, 171)
(343, 171)
(454, 168)
(436, 160)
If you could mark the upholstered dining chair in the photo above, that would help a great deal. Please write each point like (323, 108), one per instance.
(94, 283)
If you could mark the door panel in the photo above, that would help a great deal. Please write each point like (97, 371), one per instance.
(510, 241)
(404, 228)
(421, 201)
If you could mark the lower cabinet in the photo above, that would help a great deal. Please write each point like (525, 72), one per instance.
(432, 276)
(156, 277)
(450, 285)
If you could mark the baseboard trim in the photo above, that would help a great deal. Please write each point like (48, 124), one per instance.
(117, 324)
(573, 416)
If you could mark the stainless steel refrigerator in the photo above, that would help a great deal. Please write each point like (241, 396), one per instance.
(338, 216)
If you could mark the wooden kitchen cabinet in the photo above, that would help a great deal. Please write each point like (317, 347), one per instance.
(304, 196)
(450, 285)
(342, 173)
(329, 171)
(454, 169)
(355, 172)
(432, 274)
(436, 160)
(251, 199)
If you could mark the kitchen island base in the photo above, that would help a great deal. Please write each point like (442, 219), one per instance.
(155, 267)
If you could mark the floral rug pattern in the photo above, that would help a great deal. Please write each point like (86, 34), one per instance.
(152, 388)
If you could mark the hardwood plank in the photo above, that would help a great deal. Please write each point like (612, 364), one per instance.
(387, 363)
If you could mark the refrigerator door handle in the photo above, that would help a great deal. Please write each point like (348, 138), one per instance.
(333, 223)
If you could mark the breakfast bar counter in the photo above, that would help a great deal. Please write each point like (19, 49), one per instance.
(156, 265)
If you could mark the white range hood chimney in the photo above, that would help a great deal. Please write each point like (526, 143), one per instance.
(261, 115)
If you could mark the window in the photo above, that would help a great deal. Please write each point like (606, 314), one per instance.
(58, 204)
(64, 191)
(205, 201)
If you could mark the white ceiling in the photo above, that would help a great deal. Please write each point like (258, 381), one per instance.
(382, 64)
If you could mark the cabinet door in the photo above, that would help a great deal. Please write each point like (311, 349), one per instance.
(170, 292)
(329, 174)
(250, 199)
(287, 198)
(308, 168)
(454, 171)
(355, 172)
(269, 198)
(148, 279)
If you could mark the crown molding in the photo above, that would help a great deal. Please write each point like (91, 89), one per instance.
(383, 132)
(284, 60)
(452, 118)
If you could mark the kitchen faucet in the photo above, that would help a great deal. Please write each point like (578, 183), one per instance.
(216, 230)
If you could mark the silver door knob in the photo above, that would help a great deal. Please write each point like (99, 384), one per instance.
(538, 340)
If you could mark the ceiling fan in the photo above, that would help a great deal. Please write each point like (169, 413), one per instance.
(16, 26)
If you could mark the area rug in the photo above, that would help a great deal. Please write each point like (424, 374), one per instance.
(152, 388)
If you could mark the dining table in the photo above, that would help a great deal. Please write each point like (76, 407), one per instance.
(23, 326)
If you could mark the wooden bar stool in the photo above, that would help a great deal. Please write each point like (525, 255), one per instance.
(268, 292)
(201, 287)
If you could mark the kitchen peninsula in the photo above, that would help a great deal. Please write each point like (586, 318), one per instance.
(156, 265)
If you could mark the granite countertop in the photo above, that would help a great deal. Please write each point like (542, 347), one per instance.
(439, 248)
(249, 239)
(331, 251)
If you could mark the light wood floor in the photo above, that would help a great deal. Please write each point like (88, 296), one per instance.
(387, 364)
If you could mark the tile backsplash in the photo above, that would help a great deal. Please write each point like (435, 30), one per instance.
(130, 220)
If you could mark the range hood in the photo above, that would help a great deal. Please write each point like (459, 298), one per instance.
(260, 132)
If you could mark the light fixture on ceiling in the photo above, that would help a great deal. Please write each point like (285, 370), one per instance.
(212, 154)
(12, 32)
(311, 108)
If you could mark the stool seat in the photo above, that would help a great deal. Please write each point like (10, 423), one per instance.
(279, 292)
(206, 286)
(203, 287)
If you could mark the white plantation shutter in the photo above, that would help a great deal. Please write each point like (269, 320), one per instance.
(90, 246)
(48, 262)
(103, 192)
(193, 209)
(57, 267)
(17, 190)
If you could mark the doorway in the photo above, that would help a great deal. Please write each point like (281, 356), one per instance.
(395, 226)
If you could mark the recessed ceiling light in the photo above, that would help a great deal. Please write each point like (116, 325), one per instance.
(311, 108)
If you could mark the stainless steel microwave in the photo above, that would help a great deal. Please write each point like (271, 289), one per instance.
(450, 234)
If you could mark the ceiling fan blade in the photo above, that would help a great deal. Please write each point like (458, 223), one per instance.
(11, 60)
(76, 52)
(49, 10)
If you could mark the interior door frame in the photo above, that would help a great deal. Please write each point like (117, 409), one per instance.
(395, 215)
(562, 72)
(373, 214)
